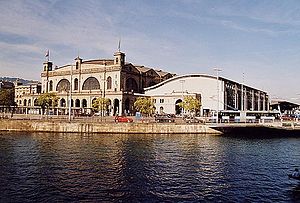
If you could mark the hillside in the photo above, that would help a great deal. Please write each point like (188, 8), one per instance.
(24, 81)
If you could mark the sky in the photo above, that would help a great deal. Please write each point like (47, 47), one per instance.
(255, 42)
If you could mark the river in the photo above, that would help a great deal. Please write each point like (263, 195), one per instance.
(147, 168)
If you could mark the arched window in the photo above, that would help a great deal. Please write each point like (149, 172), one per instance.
(35, 102)
(63, 86)
(29, 102)
(51, 85)
(62, 103)
(131, 85)
(77, 103)
(25, 102)
(75, 84)
(91, 84)
(84, 103)
(109, 82)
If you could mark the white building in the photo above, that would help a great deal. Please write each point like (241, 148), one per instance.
(214, 93)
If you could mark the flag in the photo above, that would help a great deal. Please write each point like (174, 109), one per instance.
(47, 53)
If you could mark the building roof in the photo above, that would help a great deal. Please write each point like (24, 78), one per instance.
(99, 61)
(196, 75)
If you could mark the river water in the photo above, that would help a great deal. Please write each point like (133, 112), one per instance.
(147, 168)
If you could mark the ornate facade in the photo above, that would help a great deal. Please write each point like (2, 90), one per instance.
(114, 79)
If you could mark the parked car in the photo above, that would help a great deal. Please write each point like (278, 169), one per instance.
(123, 119)
(165, 118)
(191, 119)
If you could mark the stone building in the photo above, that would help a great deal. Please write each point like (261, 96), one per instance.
(26, 94)
(114, 79)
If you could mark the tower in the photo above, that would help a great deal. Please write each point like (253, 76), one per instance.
(47, 66)
(78, 62)
(119, 58)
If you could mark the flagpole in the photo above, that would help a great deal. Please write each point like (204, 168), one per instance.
(70, 96)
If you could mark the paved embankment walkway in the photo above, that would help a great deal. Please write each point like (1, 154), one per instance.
(102, 127)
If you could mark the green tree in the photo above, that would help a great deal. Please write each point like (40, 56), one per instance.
(47, 100)
(144, 105)
(101, 104)
(7, 97)
(190, 104)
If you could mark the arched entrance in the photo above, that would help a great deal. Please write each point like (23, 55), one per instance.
(77, 103)
(161, 110)
(84, 103)
(62, 103)
(116, 106)
(127, 106)
(178, 109)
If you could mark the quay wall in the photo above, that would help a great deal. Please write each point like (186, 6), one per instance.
(97, 127)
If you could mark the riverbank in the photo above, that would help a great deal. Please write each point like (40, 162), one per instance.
(103, 127)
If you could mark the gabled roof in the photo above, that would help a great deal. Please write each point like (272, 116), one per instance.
(162, 73)
(142, 69)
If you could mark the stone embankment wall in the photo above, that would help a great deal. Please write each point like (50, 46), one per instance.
(90, 127)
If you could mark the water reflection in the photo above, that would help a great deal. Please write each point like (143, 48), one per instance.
(152, 168)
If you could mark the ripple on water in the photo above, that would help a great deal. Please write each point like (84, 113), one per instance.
(141, 168)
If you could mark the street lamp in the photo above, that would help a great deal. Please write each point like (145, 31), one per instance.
(217, 73)
(70, 97)
(182, 82)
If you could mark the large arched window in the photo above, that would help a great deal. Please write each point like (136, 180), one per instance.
(51, 85)
(63, 86)
(75, 84)
(109, 82)
(91, 84)
(131, 85)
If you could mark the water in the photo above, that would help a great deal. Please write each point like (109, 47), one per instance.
(147, 168)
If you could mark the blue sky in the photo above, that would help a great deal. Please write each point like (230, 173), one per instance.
(258, 38)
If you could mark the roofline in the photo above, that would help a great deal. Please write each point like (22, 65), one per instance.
(178, 77)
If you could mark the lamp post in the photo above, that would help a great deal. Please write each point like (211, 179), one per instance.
(70, 96)
(218, 94)
(182, 82)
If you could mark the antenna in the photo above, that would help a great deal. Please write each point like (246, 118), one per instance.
(119, 45)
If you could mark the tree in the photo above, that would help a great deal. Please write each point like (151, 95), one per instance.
(7, 97)
(190, 104)
(47, 100)
(101, 104)
(144, 105)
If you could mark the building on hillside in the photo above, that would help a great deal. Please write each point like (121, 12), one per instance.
(114, 79)
(6, 85)
(215, 94)
(26, 95)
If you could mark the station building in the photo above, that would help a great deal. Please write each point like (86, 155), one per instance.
(86, 80)
(214, 94)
